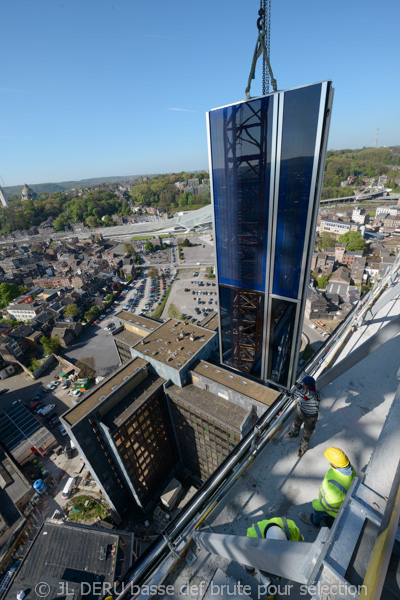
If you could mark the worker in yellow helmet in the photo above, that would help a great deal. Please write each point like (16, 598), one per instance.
(277, 528)
(333, 489)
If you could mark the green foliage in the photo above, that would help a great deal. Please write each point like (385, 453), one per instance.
(327, 240)
(71, 310)
(51, 345)
(185, 243)
(353, 241)
(360, 164)
(52, 244)
(149, 247)
(122, 274)
(33, 365)
(322, 281)
(131, 251)
(13, 323)
(109, 297)
(174, 313)
(64, 209)
(152, 272)
(9, 291)
(91, 313)
(209, 273)
(157, 314)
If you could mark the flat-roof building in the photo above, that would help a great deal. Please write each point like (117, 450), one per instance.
(124, 433)
(67, 559)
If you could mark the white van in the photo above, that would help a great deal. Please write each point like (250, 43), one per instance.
(69, 486)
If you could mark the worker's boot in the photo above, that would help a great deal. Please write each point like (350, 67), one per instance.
(292, 434)
(302, 450)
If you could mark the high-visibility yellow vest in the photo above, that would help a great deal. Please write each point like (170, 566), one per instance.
(333, 491)
(289, 528)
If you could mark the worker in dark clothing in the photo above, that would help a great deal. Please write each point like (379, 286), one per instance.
(277, 528)
(307, 410)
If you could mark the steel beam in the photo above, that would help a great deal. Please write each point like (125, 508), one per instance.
(286, 559)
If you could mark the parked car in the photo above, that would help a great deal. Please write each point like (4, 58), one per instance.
(46, 409)
(110, 326)
(38, 407)
(63, 431)
(76, 393)
(54, 422)
(65, 385)
(34, 404)
(51, 387)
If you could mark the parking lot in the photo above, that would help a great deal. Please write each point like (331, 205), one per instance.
(194, 296)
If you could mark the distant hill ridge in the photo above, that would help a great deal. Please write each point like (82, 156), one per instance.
(49, 188)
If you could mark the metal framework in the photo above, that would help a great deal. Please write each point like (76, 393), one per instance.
(246, 306)
(246, 328)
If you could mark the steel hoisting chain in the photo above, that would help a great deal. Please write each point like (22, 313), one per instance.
(261, 48)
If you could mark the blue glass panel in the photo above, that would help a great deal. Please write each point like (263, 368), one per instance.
(241, 154)
(242, 318)
(300, 122)
(283, 315)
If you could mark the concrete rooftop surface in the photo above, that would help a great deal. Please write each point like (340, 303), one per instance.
(278, 483)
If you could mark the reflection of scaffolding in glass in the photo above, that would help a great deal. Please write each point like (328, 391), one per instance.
(246, 328)
(246, 164)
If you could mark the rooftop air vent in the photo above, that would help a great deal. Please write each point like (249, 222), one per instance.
(202, 340)
(154, 353)
(167, 343)
(230, 377)
(159, 340)
(126, 377)
(218, 372)
(189, 353)
(169, 358)
(147, 350)
(102, 398)
(205, 366)
(181, 348)
(114, 387)
(243, 382)
(174, 354)
(178, 365)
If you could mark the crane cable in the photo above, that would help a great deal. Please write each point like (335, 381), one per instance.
(263, 47)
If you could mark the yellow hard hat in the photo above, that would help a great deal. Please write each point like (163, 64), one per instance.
(336, 457)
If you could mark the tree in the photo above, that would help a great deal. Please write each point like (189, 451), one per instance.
(50, 345)
(322, 281)
(109, 298)
(92, 313)
(149, 247)
(152, 272)
(71, 310)
(9, 291)
(129, 248)
(353, 240)
(327, 240)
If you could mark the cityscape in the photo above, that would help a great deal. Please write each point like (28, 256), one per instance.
(114, 395)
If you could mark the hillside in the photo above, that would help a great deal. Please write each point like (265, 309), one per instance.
(362, 164)
(50, 188)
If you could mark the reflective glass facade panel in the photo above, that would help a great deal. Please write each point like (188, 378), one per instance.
(299, 133)
(242, 318)
(283, 316)
(241, 138)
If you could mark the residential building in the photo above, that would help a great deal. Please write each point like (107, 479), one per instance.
(25, 311)
(337, 227)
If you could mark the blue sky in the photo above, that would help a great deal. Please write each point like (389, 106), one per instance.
(93, 88)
